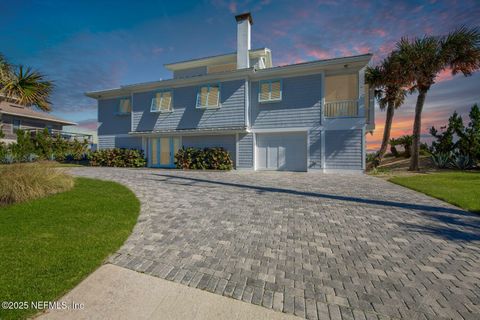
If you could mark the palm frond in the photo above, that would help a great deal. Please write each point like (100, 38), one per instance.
(29, 87)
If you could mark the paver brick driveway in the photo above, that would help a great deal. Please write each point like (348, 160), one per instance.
(316, 245)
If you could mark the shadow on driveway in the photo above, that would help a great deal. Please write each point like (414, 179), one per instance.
(451, 223)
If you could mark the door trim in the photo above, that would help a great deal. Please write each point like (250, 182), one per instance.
(306, 131)
(171, 146)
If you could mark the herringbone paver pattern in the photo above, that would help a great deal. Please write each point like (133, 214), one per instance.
(315, 245)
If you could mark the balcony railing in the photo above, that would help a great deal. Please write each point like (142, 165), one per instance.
(64, 134)
(339, 109)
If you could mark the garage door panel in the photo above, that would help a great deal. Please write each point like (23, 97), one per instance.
(282, 151)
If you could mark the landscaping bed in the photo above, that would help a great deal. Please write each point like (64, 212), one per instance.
(48, 245)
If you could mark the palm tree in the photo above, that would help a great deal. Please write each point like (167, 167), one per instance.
(423, 58)
(24, 86)
(389, 91)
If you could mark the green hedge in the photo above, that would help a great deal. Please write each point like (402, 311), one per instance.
(201, 159)
(117, 158)
(32, 146)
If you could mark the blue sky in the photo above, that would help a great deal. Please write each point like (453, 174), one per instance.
(91, 45)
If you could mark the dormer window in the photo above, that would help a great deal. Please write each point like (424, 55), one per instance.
(125, 106)
(208, 96)
(162, 102)
(270, 91)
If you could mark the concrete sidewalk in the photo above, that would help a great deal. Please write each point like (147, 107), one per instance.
(114, 292)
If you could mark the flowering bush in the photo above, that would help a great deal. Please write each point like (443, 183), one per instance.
(201, 159)
(117, 158)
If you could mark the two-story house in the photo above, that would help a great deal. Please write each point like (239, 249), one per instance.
(300, 117)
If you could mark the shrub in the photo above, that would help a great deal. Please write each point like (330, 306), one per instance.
(404, 141)
(200, 159)
(459, 138)
(32, 146)
(117, 158)
(462, 161)
(218, 159)
(373, 160)
(23, 182)
(441, 160)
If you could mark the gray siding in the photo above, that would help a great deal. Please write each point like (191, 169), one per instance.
(192, 72)
(6, 124)
(110, 142)
(227, 142)
(343, 149)
(109, 121)
(315, 145)
(185, 115)
(245, 151)
(300, 105)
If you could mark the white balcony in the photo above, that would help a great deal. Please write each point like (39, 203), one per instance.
(341, 109)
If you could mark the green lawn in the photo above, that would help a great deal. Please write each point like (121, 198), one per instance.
(458, 188)
(47, 246)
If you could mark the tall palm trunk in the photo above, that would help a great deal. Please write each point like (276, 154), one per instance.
(386, 130)
(417, 128)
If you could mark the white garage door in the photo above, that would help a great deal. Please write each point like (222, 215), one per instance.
(282, 151)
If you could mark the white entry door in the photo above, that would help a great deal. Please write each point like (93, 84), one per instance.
(282, 151)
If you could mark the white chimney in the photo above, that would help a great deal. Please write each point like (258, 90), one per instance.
(244, 23)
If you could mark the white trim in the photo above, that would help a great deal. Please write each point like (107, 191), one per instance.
(254, 153)
(247, 103)
(279, 130)
(296, 130)
(131, 111)
(322, 97)
(236, 150)
(308, 149)
(121, 135)
(346, 171)
(322, 149)
(18, 115)
(364, 150)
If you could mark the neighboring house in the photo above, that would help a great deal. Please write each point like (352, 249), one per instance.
(14, 117)
(300, 117)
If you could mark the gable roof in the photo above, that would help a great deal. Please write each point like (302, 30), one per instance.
(26, 112)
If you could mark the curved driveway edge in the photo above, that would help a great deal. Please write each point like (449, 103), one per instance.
(113, 292)
(314, 245)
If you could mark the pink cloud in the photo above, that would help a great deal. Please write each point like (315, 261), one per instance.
(444, 75)
(379, 32)
(319, 53)
(362, 49)
(90, 124)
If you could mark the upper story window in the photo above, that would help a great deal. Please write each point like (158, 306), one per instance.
(209, 96)
(162, 102)
(16, 125)
(270, 91)
(125, 106)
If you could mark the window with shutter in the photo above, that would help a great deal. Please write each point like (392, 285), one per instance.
(209, 96)
(125, 106)
(270, 91)
(162, 102)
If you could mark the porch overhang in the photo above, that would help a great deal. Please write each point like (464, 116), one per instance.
(189, 132)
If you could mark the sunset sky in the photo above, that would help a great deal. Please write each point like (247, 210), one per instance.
(92, 45)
